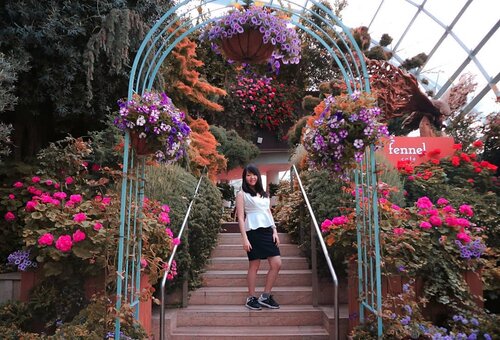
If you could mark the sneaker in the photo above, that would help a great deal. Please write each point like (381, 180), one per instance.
(269, 302)
(253, 303)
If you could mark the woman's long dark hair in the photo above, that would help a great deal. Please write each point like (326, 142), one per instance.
(250, 168)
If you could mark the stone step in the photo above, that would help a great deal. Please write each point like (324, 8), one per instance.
(297, 295)
(248, 332)
(241, 263)
(233, 278)
(223, 315)
(232, 250)
(235, 238)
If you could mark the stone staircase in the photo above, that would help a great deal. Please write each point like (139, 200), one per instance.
(217, 311)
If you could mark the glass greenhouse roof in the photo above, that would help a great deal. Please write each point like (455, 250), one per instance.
(458, 36)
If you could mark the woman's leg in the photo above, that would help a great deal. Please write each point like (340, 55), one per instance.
(253, 267)
(272, 274)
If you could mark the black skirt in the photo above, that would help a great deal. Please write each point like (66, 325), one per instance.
(262, 243)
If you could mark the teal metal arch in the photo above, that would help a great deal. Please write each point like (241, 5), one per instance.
(181, 22)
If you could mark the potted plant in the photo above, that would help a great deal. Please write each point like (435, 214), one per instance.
(254, 34)
(342, 129)
(155, 125)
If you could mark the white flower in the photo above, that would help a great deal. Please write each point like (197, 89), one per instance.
(141, 121)
(142, 135)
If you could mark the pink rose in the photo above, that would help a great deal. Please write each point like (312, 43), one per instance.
(339, 220)
(464, 237)
(9, 216)
(442, 201)
(35, 179)
(466, 209)
(18, 185)
(80, 217)
(46, 198)
(425, 225)
(449, 209)
(30, 205)
(46, 239)
(435, 221)
(97, 226)
(424, 203)
(64, 243)
(463, 222)
(398, 231)
(49, 182)
(68, 180)
(169, 232)
(78, 236)
(12, 197)
(451, 221)
(60, 195)
(164, 218)
(325, 226)
(75, 198)
(176, 241)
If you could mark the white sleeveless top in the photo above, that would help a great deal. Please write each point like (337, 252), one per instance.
(257, 212)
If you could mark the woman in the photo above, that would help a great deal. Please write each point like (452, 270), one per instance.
(259, 236)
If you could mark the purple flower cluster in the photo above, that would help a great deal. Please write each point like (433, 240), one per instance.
(275, 31)
(21, 259)
(471, 250)
(339, 136)
(154, 116)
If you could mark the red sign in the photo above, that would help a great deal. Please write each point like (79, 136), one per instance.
(416, 149)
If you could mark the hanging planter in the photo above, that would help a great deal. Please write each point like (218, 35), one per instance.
(155, 125)
(247, 47)
(254, 34)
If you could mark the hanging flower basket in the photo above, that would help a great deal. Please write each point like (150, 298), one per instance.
(342, 130)
(247, 47)
(254, 35)
(155, 125)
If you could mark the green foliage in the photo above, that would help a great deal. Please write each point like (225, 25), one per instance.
(5, 142)
(10, 67)
(237, 150)
(227, 191)
(177, 186)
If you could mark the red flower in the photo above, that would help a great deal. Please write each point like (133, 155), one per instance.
(457, 146)
(455, 161)
(465, 157)
(478, 144)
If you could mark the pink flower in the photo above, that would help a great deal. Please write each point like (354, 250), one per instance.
(30, 205)
(69, 204)
(69, 180)
(169, 232)
(449, 209)
(164, 218)
(60, 195)
(442, 201)
(144, 263)
(165, 208)
(46, 239)
(425, 225)
(340, 220)
(95, 167)
(57, 185)
(78, 236)
(18, 185)
(9, 216)
(464, 237)
(424, 203)
(80, 217)
(64, 243)
(49, 182)
(466, 210)
(106, 200)
(75, 198)
(451, 221)
(46, 198)
(176, 241)
(435, 221)
(97, 226)
(382, 200)
(398, 231)
(35, 179)
(12, 197)
(411, 178)
(325, 226)
(463, 222)
(395, 207)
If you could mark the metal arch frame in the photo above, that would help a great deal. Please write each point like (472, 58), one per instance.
(448, 31)
(156, 46)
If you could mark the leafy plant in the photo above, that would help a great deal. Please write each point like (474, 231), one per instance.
(237, 150)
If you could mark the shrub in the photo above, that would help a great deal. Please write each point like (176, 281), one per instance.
(238, 151)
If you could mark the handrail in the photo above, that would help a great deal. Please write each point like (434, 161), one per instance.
(325, 253)
(171, 259)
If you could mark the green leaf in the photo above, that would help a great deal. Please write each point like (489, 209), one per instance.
(82, 252)
(53, 268)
